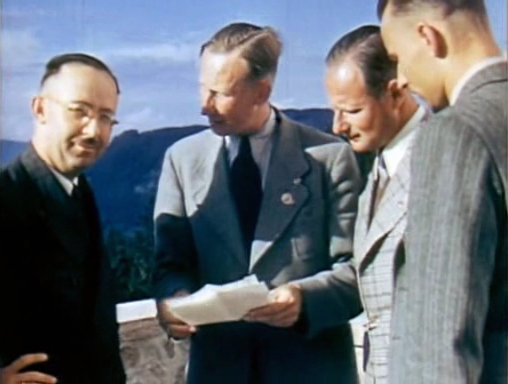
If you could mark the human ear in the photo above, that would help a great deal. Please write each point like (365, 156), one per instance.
(264, 91)
(432, 39)
(39, 109)
(395, 90)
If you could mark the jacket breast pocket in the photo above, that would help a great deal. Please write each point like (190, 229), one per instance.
(309, 238)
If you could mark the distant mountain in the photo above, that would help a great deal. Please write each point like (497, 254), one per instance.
(125, 178)
(9, 150)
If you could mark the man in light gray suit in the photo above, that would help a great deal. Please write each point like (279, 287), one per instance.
(377, 115)
(257, 194)
(451, 303)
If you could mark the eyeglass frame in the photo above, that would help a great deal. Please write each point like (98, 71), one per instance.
(89, 111)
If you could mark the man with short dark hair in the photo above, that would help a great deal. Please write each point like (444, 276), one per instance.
(377, 115)
(55, 286)
(257, 194)
(451, 298)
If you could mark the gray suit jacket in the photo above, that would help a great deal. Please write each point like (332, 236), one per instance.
(450, 317)
(377, 248)
(305, 226)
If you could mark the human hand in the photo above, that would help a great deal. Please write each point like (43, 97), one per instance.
(283, 310)
(174, 327)
(11, 374)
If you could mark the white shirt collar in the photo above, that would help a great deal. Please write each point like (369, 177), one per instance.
(257, 141)
(68, 185)
(260, 143)
(470, 73)
(396, 148)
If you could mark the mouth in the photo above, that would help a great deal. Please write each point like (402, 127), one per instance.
(215, 121)
(88, 146)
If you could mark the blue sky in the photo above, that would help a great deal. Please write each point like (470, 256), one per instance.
(153, 45)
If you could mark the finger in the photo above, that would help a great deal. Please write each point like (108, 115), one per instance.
(26, 360)
(36, 378)
(180, 331)
(168, 318)
(285, 319)
(285, 316)
(279, 296)
(268, 310)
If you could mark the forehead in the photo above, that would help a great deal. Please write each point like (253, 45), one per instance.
(345, 82)
(75, 79)
(222, 68)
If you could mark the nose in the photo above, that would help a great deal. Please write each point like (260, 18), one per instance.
(207, 102)
(340, 126)
(92, 128)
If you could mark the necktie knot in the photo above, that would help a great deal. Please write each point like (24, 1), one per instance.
(382, 170)
(245, 150)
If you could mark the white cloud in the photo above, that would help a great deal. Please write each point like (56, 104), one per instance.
(141, 119)
(19, 48)
(177, 52)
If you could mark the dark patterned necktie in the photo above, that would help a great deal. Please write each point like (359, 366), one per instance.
(246, 189)
(381, 180)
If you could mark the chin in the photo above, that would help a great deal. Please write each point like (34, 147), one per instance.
(220, 130)
(361, 147)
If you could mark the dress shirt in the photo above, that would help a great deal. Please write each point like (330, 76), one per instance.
(67, 185)
(397, 147)
(261, 146)
(471, 72)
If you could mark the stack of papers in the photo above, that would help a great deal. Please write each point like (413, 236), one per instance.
(221, 303)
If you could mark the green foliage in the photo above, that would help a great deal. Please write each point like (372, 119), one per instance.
(131, 257)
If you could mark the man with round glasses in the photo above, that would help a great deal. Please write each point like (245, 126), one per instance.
(58, 308)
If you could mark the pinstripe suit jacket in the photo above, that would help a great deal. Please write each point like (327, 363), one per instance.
(450, 316)
(375, 249)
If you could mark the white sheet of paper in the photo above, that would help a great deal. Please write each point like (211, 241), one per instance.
(221, 303)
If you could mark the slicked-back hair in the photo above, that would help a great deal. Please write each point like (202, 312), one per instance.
(365, 47)
(447, 6)
(55, 64)
(259, 46)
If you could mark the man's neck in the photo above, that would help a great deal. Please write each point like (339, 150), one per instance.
(259, 119)
(479, 49)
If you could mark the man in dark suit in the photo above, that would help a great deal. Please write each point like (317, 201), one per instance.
(257, 194)
(451, 302)
(55, 285)
(377, 115)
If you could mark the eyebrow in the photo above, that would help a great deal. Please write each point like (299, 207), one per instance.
(91, 105)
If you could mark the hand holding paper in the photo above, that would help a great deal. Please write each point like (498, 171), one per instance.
(283, 309)
(221, 303)
(173, 326)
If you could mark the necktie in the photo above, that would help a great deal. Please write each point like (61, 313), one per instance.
(381, 180)
(245, 186)
(77, 196)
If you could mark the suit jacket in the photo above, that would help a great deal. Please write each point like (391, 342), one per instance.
(55, 284)
(377, 248)
(451, 303)
(305, 225)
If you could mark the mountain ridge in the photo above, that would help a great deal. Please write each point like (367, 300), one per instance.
(125, 178)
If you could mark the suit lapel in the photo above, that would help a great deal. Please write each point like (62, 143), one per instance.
(55, 207)
(284, 193)
(391, 209)
(362, 221)
(213, 198)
